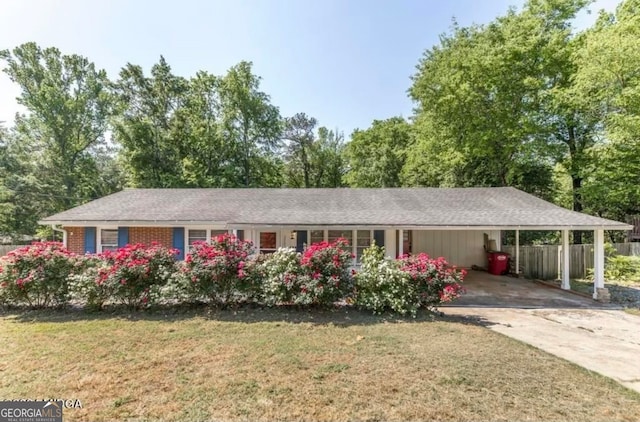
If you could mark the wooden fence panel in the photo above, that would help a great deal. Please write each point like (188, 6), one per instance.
(545, 262)
(5, 249)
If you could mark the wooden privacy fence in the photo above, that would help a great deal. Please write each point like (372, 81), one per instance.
(5, 249)
(544, 262)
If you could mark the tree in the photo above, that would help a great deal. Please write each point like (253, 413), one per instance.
(26, 193)
(251, 124)
(493, 107)
(607, 84)
(299, 136)
(327, 159)
(375, 156)
(52, 151)
(144, 127)
(207, 155)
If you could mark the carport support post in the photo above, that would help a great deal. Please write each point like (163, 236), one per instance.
(598, 261)
(517, 252)
(566, 285)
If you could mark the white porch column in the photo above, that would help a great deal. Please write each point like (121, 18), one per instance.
(565, 260)
(517, 252)
(390, 243)
(598, 261)
(400, 242)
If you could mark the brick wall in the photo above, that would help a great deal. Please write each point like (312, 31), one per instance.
(146, 235)
(75, 239)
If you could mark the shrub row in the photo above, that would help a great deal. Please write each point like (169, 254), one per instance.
(225, 272)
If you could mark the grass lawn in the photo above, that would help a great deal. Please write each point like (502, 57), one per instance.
(632, 311)
(293, 365)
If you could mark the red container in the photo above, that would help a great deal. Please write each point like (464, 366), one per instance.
(498, 262)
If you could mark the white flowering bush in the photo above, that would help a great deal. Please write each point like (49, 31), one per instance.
(83, 284)
(406, 284)
(382, 286)
(278, 275)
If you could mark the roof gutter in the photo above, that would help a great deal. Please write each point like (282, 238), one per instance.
(61, 230)
(251, 226)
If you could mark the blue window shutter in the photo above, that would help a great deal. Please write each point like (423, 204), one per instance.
(123, 236)
(178, 241)
(301, 240)
(89, 240)
(240, 234)
(378, 236)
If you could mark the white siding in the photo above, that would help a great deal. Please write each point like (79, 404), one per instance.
(285, 239)
(463, 248)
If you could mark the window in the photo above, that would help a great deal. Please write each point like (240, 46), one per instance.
(202, 235)
(337, 234)
(216, 233)
(108, 240)
(268, 242)
(317, 236)
(363, 242)
(197, 236)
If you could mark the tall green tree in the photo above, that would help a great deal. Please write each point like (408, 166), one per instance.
(375, 156)
(298, 135)
(207, 154)
(328, 160)
(54, 147)
(26, 192)
(144, 126)
(252, 125)
(607, 84)
(493, 107)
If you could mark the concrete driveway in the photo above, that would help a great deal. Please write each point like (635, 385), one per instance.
(601, 338)
(484, 289)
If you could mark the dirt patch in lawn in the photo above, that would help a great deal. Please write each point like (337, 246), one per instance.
(293, 365)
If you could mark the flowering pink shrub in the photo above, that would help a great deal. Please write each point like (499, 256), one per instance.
(217, 270)
(36, 275)
(436, 282)
(131, 274)
(325, 276)
(405, 285)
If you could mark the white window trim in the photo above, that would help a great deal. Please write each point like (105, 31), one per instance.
(200, 227)
(99, 236)
(354, 241)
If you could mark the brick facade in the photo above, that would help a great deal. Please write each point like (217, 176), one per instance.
(146, 235)
(75, 239)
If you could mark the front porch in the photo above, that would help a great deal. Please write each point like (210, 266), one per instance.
(460, 246)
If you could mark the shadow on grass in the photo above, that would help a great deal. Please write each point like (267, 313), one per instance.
(340, 316)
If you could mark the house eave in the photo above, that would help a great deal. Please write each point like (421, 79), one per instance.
(255, 225)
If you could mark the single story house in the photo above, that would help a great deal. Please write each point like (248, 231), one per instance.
(449, 222)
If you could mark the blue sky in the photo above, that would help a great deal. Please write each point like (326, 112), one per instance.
(345, 62)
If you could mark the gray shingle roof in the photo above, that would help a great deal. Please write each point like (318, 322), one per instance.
(392, 207)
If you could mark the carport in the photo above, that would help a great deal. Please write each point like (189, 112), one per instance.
(463, 220)
(487, 290)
